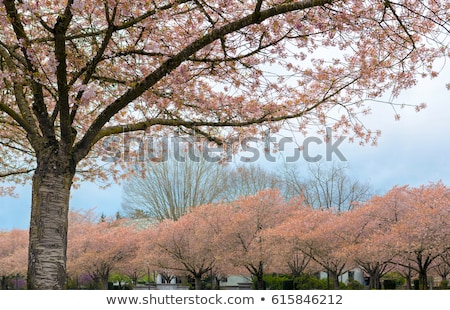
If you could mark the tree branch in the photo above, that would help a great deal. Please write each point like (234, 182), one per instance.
(89, 69)
(266, 118)
(388, 4)
(16, 172)
(60, 30)
(25, 120)
(171, 64)
(39, 107)
(15, 116)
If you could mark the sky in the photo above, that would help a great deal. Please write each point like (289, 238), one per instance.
(412, 151)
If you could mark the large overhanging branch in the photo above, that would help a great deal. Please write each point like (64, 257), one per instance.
(170, 122)
(92, 134)
(196, 125)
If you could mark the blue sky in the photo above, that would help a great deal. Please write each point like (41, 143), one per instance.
(414, 151)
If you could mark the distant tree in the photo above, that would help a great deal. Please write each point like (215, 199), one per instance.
(249, 179)
(13, 254)
(370, 249)
(98, 249)
(423, 234)
(325, 187)
(442, 267)
(190, 245)
(244, 242)
(320, 237)
(167, 189)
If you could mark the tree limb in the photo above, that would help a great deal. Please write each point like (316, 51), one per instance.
(172, 63)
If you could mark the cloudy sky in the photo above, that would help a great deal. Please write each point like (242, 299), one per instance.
(414, 151)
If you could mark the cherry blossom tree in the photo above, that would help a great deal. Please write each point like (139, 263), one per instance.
(78, 76)
(325, 244)
(13, 255)
(244, 241)
(386, 212)
(442, 267)
(371, 248)
(323, 236)
(424, 233)
(376, 248)
(98, 249)
(289, 256)
(406, 229)
(188, 246)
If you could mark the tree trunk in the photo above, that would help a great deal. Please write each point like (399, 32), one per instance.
(4, 284)
(335, 280)
(198, 282)
(423, 280)
(104, 279)
(408, 282)
(260, 284)
(48, 225)
(374, 282)
(216, 283)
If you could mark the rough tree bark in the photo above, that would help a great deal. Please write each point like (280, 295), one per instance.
(49, 221)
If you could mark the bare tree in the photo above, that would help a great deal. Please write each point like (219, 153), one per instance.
(167, 189)
(325, 187)
(249, 179)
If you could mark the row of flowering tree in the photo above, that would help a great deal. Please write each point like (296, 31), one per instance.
(406, 230)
